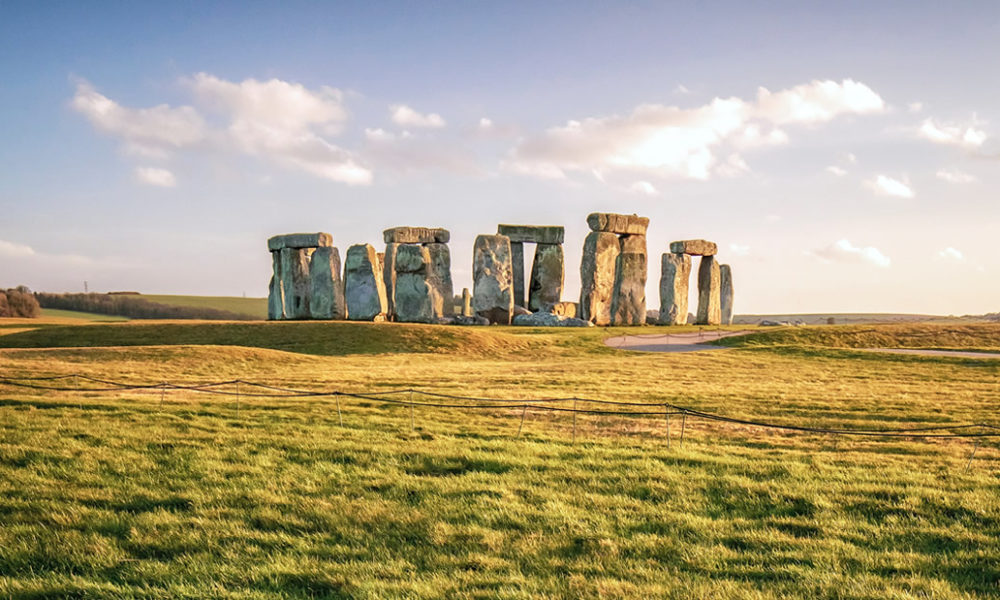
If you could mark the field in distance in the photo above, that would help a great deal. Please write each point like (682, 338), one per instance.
(130, 494)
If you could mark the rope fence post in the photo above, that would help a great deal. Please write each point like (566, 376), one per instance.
(524, 411)
(76, 384)
(973, 455)
(684, 417)
(237, 399)
(412, 426)
(163, 391)
(340, 416)
(665, 412)
(574, 420)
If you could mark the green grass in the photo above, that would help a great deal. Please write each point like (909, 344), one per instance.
(73, 314)
(113, 495)
(254, 307)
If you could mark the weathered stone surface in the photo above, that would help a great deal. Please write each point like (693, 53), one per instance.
(295, 285)
(675, 274)
(621, 224)
(520, 310)
(517, 271)
(470, 320)
(652, 316)
(546, 319)
(439, 277)
(694, 247)
(709, 301)
(538, 234)
(547, 275)
(416, 235)
(364, 287)
(492, 292)
(726, 293)
(326, 297)
(299, 240)
(389, 278)
(466, 303)
(628, 303)
(564, 309)
(414, 298)
(275, 295)
(597, 276)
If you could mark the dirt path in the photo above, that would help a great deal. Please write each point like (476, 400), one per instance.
(920, 352)
(671, 342)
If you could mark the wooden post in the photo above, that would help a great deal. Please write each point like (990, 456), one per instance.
(524, 411)
(412, 426)
(668, 425)
(339, 415)
(684, 417)
(574, 420)
(969, 464)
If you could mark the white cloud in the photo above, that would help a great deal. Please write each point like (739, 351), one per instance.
(407, 117)
(643, 187)
(485, 123)
(15, 250)
(851, 158)
(951, 254)
(956, 176)
(887, 186)
(410, 153)
(155, 176)
(915, 107)
(671, 141)
(733, 166)
(378, 134)
(681, 89)
(843, 251)
(951, 134)
(835, 170)
(739, 250)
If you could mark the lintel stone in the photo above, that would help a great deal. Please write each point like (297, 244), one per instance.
(299, 240)
(694, 247)
(620, 224)
(416, 235)
(537, 234)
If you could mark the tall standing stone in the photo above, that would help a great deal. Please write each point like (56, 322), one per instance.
(466, 303)
(439, 277)
(726, 291)
(389, 277)
(492, 292)
(628, 302)
(413, 296)
(709, 300)
(364, 287)
(326, 296)
(597, 276)
(295, 285)
(275, 295)
(517, 270)
(547, 277)
(674, 276)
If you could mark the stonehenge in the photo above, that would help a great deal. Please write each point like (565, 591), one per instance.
(412, 281)
(613, 270)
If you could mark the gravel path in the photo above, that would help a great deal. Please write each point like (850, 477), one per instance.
(671, 342)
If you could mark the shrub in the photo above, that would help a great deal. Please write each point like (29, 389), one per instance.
(19, 302)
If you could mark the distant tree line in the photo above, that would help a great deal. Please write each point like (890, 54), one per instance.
(18, 302)
(133, 306)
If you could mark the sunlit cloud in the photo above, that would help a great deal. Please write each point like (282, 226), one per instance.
(155, 176)
(956, 176)
(884, 185)
(405, 116)
(843, 251)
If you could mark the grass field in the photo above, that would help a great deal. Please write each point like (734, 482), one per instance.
(255, 307)
(113, 494)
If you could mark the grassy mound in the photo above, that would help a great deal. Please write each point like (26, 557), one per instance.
(920, 335)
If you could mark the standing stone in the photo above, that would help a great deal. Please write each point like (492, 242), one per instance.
(517, 264)
(466, 303)
(709, 301)
(389, 277)
(439, 277)
(492, 292)
(295, 285)
(628, 303)
(275, 295)
(597, 276)
(674, 276)
(726, 291)
(364, 287)
(326, 296)
(413, 296)
(547, 276)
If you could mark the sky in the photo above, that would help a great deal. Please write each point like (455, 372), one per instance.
(844, 156)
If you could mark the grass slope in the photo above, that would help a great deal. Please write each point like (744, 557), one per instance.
(113, 495)
(255, 307)
(921, 335)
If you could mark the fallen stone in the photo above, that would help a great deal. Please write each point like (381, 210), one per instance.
(517, 271)
(564, 309)
(628, 302)
(295, 284)
(726, 293)
(439, 277)
(520, 310)
(416, 235)
(675, 274)
(547, 274)
(470, 320)
(492, 293)
(694, 247)
(597, 276)
(414, 298)
(537, 234)
(299, 240)
(546, 319)
(652, 317)
(709, 305)
(364, 287)
(466, 303)
(326, 298)
(621, 224)
(767, 323)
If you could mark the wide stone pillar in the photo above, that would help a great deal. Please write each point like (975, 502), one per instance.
(517, 272)
(675, 273)
(295, 285)
(493, 285)
(326, 296)
(597, 276)
(389, 277)
(439, 277)
(628, 301)
(413, 296)
(726, 292)
(364, 286)
(709, 299)
(547, 276)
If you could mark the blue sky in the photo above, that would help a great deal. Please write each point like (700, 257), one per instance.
(845, 157)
